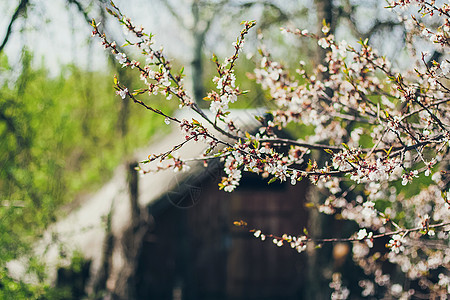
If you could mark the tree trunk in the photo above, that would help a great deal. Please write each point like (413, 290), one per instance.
(131, 241)
(319, 260)
(198, 88)
(324, 10)
(198, 35)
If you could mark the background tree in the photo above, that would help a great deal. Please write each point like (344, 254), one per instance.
(54, 148)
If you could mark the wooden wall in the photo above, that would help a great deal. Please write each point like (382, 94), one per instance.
(193, 251)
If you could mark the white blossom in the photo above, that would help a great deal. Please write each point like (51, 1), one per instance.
(121, 57)
(445, 67)
(122, 93)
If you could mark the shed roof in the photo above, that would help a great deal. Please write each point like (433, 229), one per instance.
(83, 229)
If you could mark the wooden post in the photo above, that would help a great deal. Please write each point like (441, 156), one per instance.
(131, 240)
(134, 197)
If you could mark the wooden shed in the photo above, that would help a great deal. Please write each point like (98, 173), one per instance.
(171, 235)
(193, 250)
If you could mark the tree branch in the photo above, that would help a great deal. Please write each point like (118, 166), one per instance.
(19, 10)
(378, 26)
(81, 10)
(174, 14)
(351, 239)
(339, 148)
(377, 236)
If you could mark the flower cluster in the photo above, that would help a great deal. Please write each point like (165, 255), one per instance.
(232, 165)
(227, 93)
(396, 243)
(378, 131)
(297, 243)
(340, 292)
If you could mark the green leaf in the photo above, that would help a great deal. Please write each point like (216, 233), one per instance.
(389, 151)
(272, 180)
(215, 59)
(329, 151)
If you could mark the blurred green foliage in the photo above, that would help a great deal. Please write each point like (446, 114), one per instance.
(59, 137)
